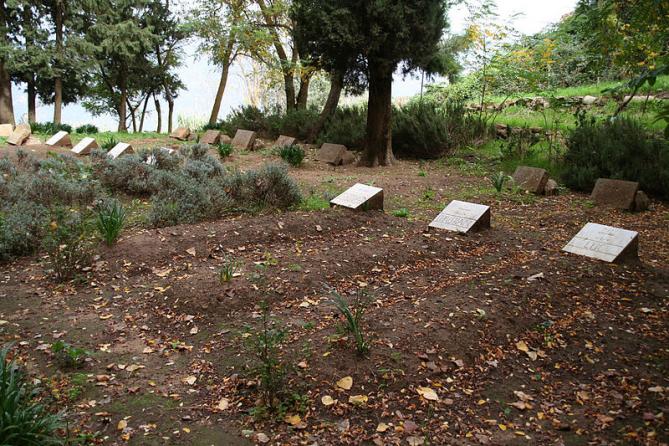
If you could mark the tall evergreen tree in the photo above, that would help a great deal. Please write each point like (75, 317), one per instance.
(371, 39)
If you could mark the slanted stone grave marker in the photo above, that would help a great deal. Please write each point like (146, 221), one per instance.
(605, 243)
(119, 149)
(283, 141)
(20, 134)
(6, 130)
(615, 193)
(331, 153)
(32, 141)
(180, 133)
(244, 140)
(360, 197)
(211, 137)
(60, 139)
(85, 146)
(531, 179)
(464, 217)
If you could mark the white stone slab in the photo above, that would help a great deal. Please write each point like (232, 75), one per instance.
(360, 196)
(85, 146)
(61, 139)
(119, 149)
(604, 243)
(461, 216)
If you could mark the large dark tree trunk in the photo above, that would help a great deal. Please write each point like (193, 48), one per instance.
(6, 103)
(213, 118)
(336, 85)
(378, 138)
(32, 100)
(303, 95)
(159, 126)
(58, 82)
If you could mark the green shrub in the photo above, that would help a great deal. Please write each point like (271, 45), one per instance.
(620, 149)
(128, 174)
(68, 355)
(224, 150)
(111, 218)
(24, 420)
(293, 155)
(109, 143)
(269, 186)
(49, 128)
(429, 130)
(353, 314)
(22, 226)
(246, 117)
(67, 244)
(297, 123)
(498, 180)
(401, 213)
(347, 126)
(87, 129)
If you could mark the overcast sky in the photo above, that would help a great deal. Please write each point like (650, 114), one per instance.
(201, 79)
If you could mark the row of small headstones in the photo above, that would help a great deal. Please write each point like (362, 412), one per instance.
(334, 154)
(597, 241)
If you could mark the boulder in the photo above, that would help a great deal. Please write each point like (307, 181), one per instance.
(589, 100)
(32, 141)
(641, 201)
(19, 135)
(551, 188)
(283, 141)
(347, 158)
(225, 139)
(331, 153)
(531, 179)
(181, 133)
(211, 137)
(618, 194)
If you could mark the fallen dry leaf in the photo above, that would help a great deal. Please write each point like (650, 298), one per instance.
(327, 400)
(428, 393)
(345, 383)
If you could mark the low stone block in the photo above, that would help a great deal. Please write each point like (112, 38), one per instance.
(531, 179)
(6, 130)
(464, 217)
(244, 140)
(551, 188)
(19, 135)
(283, 141)
(641, 202)
(85, 146)
(331, 153)
(618, 194)
(360, 197)
(211, 137)
(347, 158)
(180, 133)
(32, 141)
(605, 243)
(60, 139)
(120, 149)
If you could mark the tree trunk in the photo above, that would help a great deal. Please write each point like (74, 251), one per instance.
(336, 85)
(122, 106)
(378, 138)
(159, 126)
(141, 121)
(213, 118)
(303, 95)
(6, 104)
(32, 100)
(133, 116)
(170, 114)
(58, 83)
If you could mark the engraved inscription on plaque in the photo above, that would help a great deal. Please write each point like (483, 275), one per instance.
(604, 243)
(360, 196)
(460, 216)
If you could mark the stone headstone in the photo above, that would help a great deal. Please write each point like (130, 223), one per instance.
(531, 179)
(641, 201)
(60, 139)
(181, 133)
(211, 137)
(283, 141)
(119, 149)
(244, 140)
(32, 141)
(225, 139)
(360, 197)
(615, 193)
(85, 146)
(605, 243)
(6, 130)
(589, 100)
(19, 135)
(331, 153)
(460, 216)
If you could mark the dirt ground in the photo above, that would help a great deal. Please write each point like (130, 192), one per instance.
(494, 338)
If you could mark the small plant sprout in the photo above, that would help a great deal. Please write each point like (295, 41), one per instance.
(228, 271)
(110, 221)
(69, 355)
(498, 181)
(401, 213)
(353, 314)
(109, 144)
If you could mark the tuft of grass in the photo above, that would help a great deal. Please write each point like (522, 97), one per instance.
(24, 420)
(401, 213)
(314, 203)
(353, 315)
(224, 150)
(69, 355)
(498, 181)
(110, 221)
(109, 143)
(227, 272)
